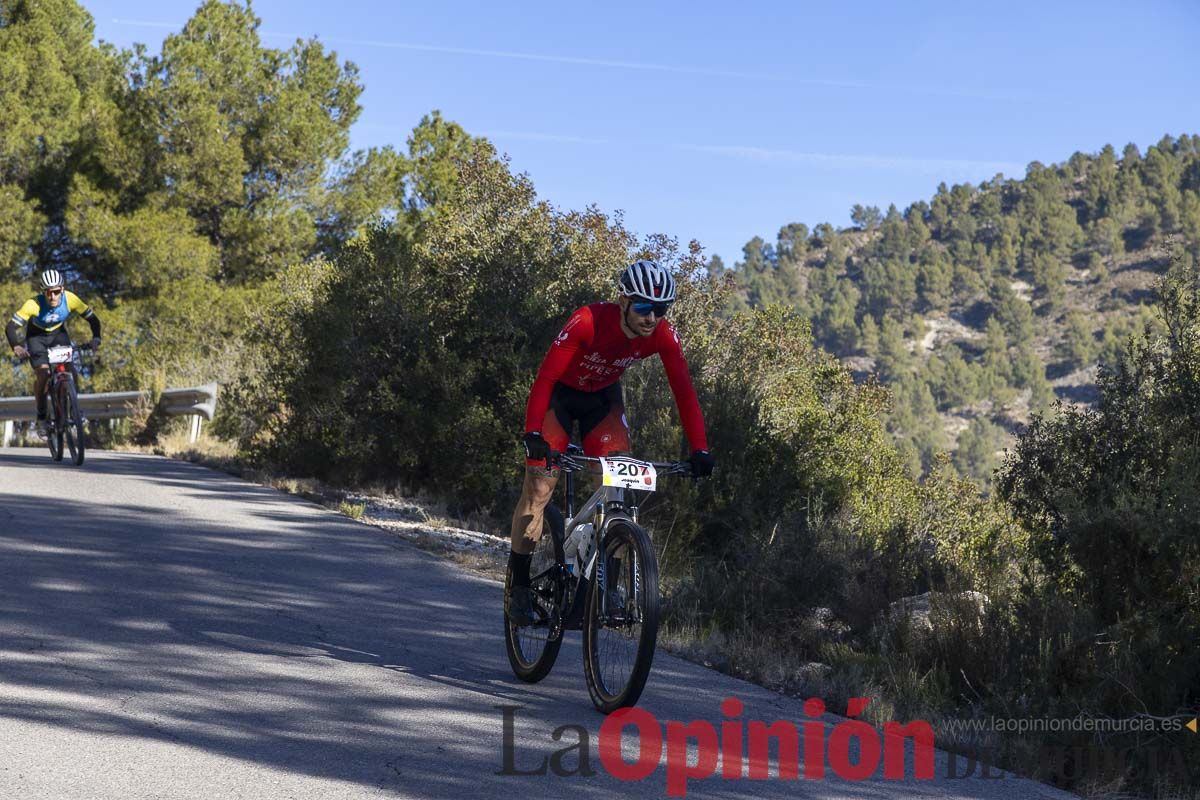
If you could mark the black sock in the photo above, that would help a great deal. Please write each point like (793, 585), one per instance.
(519, 564)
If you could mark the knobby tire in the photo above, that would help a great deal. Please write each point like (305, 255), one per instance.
(533, 649)
(618, 643)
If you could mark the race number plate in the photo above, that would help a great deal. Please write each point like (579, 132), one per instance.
(59, 355)
(628, 473)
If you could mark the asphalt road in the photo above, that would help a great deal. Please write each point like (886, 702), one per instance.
(167, 631)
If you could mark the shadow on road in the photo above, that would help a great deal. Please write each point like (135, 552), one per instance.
(223, 632)
(159, 602)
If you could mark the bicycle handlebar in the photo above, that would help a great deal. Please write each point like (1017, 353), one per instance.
(84, 350)
(572, 462)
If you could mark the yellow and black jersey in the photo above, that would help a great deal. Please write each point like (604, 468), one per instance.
(47, 318)
(38, 317)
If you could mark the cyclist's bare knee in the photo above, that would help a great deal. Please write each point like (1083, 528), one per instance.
(528, 517)
(539, 485)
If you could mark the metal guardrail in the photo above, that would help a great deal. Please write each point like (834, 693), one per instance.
(200, 402)
(103, 405)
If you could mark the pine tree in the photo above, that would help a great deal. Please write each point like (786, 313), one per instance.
(1161, 175)
(865, 218)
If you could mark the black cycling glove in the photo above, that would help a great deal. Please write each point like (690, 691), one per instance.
(702, 463)
(536, 447)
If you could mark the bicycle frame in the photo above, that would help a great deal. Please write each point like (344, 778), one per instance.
(60, 373)
(605, 502)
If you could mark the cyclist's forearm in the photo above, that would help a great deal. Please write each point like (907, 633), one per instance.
(11, 330)
(680, 380)
(94, 322)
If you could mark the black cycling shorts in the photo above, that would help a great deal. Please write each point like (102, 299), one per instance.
(600, 416)
(37, 342)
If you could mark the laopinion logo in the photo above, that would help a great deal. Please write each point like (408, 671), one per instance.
(735, 749)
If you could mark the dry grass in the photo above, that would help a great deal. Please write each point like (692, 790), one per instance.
(354, 511)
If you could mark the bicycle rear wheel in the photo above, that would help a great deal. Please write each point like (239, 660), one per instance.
(621, 629)
(533, 649)
(57, 421)
(74, 422)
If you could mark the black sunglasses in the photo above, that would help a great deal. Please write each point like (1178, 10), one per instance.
(644, 308)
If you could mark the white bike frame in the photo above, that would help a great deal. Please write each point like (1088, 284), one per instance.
(595, 511)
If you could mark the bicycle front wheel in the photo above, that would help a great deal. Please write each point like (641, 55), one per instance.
(74, 423)
(533, 649)
(621, 629)
(58, 417)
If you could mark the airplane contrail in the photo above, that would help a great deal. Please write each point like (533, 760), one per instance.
(629, 65)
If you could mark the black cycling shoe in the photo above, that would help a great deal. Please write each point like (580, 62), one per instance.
(520, 609)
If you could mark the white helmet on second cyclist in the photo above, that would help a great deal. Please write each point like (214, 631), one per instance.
(51, 278)
(649, 280)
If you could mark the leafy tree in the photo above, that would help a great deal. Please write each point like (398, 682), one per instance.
(1079, 347)
(824, 235)
(1190, 222)
(53, 90)
(895, 362)
(865, 218)
(392, 331)
(997, 372)
(837, 320)
(869, 336)
(1106, 237)
(978, 451)
(792, 242)
(767, 279)
(895, 239)
(890, 286)
(154, 181)
(1049, 278)
(1029, 372)
(1161, 173)
(1100, 190)
(1013, 313)
(967, 284)
(956, 383)
(918, 231)
(934, 279)
(1049, 226)
(716, 266)
(1111, 491)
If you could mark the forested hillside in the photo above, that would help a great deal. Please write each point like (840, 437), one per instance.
(988, 302)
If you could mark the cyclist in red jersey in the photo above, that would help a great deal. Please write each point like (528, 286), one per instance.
(579, 381)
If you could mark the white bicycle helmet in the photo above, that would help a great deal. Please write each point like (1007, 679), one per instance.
(51, 278)
(647, 279)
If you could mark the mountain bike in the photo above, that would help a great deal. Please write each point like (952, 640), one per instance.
(595, 571)
(64, 420)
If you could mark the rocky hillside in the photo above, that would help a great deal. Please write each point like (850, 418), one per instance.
(989, 303)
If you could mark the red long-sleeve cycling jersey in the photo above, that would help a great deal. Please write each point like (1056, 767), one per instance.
(591, 353)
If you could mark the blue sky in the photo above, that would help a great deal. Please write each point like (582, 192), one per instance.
(701, 121)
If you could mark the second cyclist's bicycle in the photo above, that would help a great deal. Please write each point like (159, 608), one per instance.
(64, 419)
(595, 571)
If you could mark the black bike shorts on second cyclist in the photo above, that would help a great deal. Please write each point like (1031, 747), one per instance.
(601, 418)
(38, 342)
